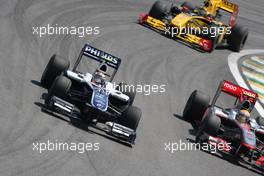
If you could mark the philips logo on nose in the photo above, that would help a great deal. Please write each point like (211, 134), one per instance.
(92, 51)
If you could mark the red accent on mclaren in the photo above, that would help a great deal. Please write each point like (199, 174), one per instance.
(142, 18)
(216, 141)
(250, 147)
(260, 132)
(260, 161)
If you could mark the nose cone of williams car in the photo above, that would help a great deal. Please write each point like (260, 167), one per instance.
(100, 99)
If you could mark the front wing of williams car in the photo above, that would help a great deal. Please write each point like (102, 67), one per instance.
(77, 96)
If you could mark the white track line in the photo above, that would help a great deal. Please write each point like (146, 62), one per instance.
(233, 66)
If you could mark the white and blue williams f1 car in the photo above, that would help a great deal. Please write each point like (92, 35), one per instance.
(91, 96)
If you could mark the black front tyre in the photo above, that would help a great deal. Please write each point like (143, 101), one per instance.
(196, 106)
(209, 125)
(159, 10)
(53, 69)
(237, 38)
(60, 87)
(130, 117)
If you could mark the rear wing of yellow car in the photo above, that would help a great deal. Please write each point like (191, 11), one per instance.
(228, 6)
(213, 6)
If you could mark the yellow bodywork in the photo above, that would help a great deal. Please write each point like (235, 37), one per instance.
(212, 6)
(178, 22)
(157, 24)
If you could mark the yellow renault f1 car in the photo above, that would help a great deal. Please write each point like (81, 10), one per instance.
(200, 27)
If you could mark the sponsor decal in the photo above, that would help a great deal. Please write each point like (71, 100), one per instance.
(230, 86)
(100, 99)
(250, 94)
(101, 54)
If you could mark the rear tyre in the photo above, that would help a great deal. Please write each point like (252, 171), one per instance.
(130, 117)
(60, 87)
(159, 10)
(196, 106)
(237, 38)
(54, 68)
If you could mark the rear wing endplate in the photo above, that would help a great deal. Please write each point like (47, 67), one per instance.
(228, 6)
(231, 8)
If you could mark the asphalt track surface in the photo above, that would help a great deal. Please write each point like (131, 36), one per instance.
(147, 58)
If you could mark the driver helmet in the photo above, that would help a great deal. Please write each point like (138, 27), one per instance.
(246, 105)
(99, 78)
(210, 17)
(243, 116)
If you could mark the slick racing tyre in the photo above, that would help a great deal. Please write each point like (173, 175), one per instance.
(60, 87)
(54, 68)
(196, 106)
(127, 90)
(159, 10)
(130, 117)
(237, 38)
(209, 125)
